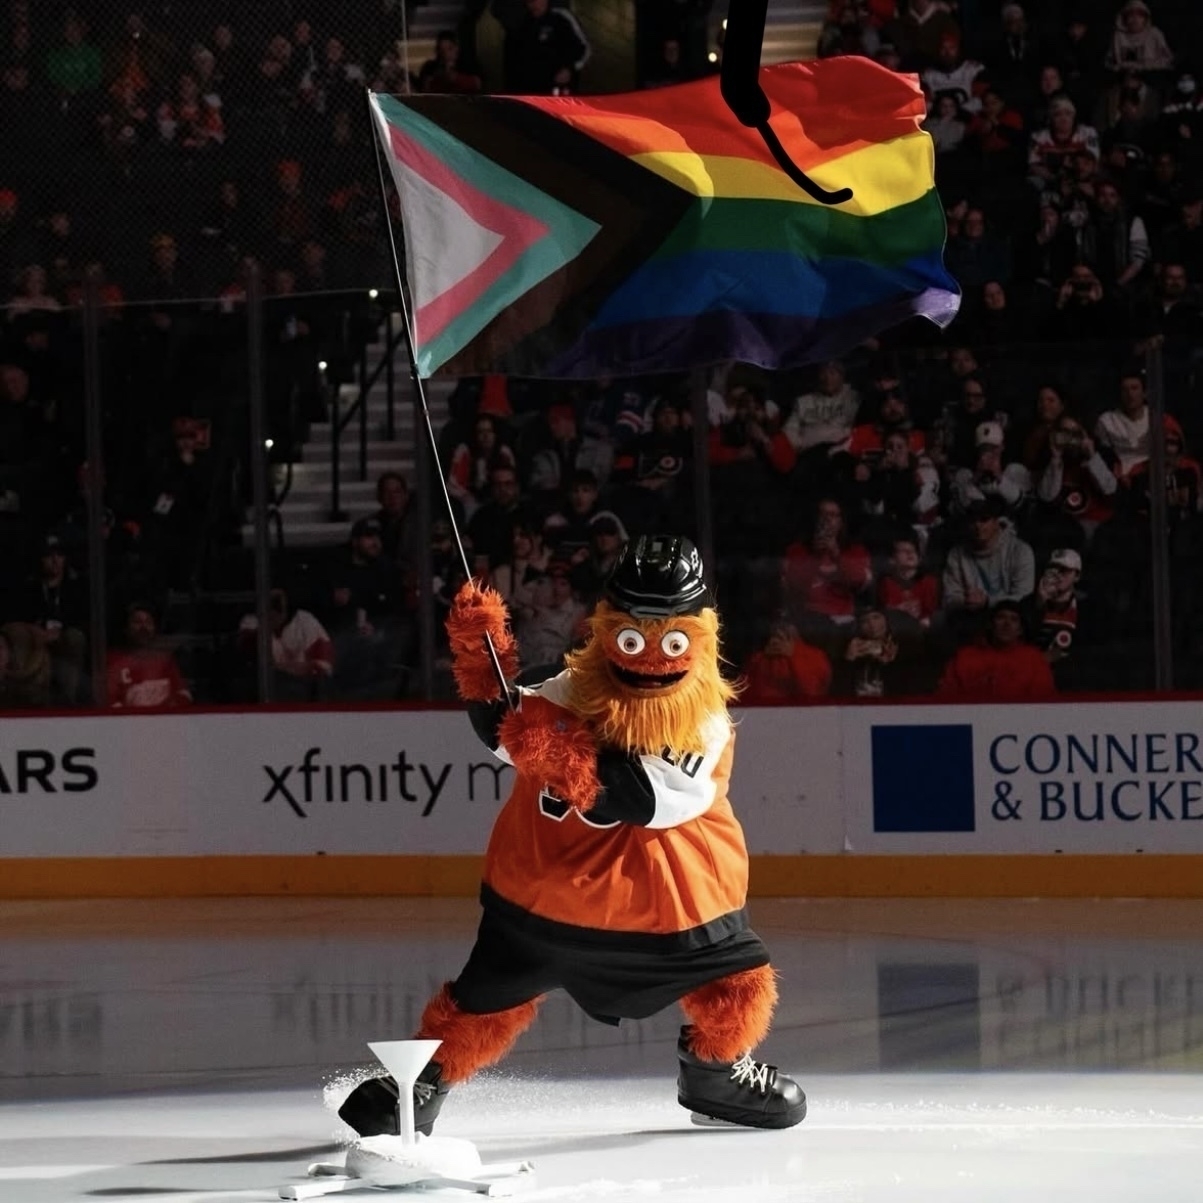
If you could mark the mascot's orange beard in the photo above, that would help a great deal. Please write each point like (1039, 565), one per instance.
(671, 718)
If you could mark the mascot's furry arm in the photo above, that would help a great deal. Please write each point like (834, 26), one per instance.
(544, 741)
(475, 613)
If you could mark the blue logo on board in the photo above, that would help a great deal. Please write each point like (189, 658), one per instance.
(923, 778)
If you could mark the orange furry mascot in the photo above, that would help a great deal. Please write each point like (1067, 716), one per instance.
(616, 870)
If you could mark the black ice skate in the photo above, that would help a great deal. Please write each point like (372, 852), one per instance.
(371, 1108)
(744, 1092)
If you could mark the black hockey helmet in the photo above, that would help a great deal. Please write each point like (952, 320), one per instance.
(658, 576)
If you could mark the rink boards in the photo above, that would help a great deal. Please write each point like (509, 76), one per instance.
(1085, 799)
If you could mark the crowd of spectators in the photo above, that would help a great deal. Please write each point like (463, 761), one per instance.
(965, 514)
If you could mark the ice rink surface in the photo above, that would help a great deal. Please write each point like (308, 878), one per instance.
(977, 1051)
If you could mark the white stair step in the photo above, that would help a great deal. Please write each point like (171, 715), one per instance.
(314, 533)
(378, 445)
(309, 514)
(377, 412)
(317, 476)
(350, 492)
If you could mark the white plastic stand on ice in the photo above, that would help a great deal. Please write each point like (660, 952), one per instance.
(410, 1161)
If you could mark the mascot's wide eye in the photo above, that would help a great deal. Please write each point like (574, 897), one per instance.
(674, 644)
(630, 641)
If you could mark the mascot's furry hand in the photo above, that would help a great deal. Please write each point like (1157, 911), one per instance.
(478, 611)
(554, 748)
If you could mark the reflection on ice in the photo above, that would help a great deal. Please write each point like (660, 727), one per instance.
(949, 1051)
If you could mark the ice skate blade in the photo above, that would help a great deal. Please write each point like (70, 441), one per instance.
(709, 1121)
(702, 1120)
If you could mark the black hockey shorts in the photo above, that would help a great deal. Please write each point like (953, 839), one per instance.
(508, 966)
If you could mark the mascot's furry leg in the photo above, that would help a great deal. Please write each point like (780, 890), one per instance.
(730, 1016)
(471, 1042)
(718, 1078)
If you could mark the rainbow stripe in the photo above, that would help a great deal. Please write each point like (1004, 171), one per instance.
(702, 248)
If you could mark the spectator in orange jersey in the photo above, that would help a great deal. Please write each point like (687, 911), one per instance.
(1001, 667)
(786, 669)
(142, 676)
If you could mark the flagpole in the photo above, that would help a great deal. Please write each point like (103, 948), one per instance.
(420, 387)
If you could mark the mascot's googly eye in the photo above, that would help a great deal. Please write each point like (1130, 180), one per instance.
(674, 644)
(630, 641)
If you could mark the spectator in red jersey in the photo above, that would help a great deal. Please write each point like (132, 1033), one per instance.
(996, 133)
(748, 436)
(1001, 667)
(906, 587)
(1049, 149)
(786, 670)
(142, 676)
(823, 576)
(302, 651)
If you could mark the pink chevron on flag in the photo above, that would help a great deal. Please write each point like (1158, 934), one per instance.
(459, 241)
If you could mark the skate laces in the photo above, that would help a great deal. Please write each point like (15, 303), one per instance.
(754, 1074)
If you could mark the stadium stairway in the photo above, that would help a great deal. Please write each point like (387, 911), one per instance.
(791, 29)
(424, 23)
(305, 485)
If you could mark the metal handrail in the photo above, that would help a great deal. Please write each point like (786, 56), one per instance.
(359, 409)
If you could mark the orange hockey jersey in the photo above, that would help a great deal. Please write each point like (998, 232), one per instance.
(661, 855)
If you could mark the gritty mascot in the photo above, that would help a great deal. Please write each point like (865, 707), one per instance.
(616, 870)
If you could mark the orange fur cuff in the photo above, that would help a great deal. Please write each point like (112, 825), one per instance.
(731, 1016)
(479, 611)
(471, 1042)
(555, 748)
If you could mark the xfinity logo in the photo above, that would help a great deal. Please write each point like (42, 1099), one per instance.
(315, 781)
